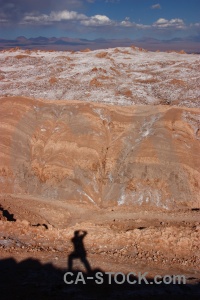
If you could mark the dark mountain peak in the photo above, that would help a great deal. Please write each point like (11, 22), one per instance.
(21, 39)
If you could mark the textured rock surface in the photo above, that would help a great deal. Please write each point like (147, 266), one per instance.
(128, 175)
(122, 76)
(106, 155)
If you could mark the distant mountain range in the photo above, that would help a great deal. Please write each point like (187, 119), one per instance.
(190, 44)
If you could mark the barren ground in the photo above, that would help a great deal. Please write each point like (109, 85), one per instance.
(118, 241)
(128, 175)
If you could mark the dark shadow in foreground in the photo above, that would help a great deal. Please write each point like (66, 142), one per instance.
(30, 279)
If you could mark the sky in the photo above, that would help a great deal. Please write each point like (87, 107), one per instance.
(94, 19)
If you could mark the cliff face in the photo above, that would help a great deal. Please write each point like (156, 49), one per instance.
(106, 155)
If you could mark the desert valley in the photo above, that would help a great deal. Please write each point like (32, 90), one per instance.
(106, 142)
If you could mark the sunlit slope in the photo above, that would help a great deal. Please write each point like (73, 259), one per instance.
(104, 155)
(122, 76)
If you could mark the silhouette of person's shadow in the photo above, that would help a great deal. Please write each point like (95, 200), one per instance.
(79, 250)
(30, 279)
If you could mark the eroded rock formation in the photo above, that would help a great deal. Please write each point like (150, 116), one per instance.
(106, 155)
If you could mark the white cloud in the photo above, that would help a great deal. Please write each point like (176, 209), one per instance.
(196, 28)
(3, 18)
(127, 23)
(64, 15)
(161, 23)
(169, 24)
(97, 20)
(196, 24)
(143, 26)
(156, 6)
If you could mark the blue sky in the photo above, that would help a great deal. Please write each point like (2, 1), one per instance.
(91, 19)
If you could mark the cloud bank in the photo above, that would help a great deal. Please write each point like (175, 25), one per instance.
(71, 17)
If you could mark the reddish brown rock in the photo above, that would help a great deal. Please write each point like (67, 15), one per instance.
(104, 155)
